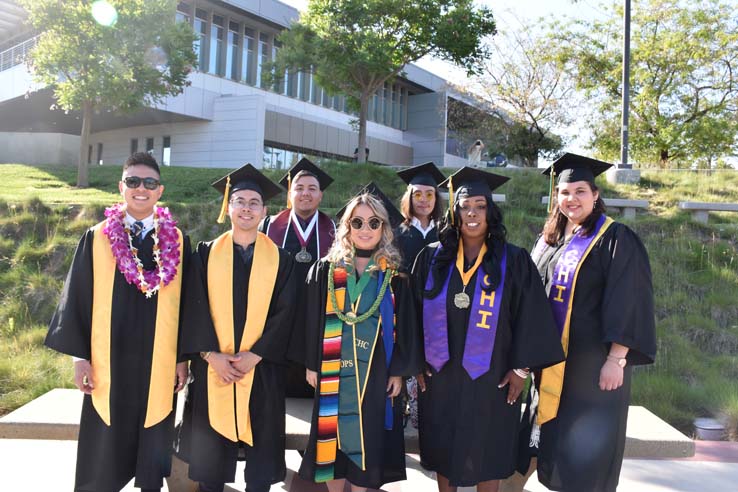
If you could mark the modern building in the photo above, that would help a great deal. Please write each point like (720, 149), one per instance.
(225, 117)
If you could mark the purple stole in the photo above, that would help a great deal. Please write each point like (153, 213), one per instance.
(279, 225)
(481, 330)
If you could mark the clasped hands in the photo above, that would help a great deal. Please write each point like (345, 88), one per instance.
(514, 382)
(231, 368)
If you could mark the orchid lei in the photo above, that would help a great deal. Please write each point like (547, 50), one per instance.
(166, 249)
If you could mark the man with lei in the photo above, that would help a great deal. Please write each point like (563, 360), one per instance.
(118, 316)
(237, 321)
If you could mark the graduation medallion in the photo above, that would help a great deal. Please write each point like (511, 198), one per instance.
(461, 300)
(303, 256)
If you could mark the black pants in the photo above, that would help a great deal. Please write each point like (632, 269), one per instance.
(218, 487)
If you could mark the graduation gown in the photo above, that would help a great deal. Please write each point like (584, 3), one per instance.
(468, 432)
(384, 450)
(582, 448)
(297, 386)
(211, 456)
(109, 456)
(410, 241)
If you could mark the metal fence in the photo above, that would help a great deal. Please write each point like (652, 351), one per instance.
(17, 54)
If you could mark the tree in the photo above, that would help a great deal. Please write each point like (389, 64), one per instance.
(134, 55)
(684, 83)
(353, 47)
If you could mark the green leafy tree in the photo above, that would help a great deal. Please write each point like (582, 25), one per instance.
(132, 56)
(684, 82)
(353, 47)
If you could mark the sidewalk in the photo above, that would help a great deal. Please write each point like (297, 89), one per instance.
(31, 465)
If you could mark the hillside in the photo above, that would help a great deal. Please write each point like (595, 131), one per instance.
(695, 269)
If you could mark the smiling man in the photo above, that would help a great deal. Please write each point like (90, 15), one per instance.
(130, 264)
(237, 322)
(307, 234)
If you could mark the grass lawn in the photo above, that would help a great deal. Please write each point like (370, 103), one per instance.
(695, 268)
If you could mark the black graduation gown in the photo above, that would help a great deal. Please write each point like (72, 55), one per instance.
(108, 457)
(468, 432)
(582, 448)
(384, 449)
(297, 386)
(211, 456)
(410, 241)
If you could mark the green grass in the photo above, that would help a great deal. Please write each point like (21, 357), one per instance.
(695, 266)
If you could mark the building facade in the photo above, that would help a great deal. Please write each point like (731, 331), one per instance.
(225, 117)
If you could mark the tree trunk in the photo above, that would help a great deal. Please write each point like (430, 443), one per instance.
(361, 150)
(664, 158)
(83, 180)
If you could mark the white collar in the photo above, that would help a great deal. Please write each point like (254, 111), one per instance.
(416, 223)
(148, 222)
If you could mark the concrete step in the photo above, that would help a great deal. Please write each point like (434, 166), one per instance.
(55, 416)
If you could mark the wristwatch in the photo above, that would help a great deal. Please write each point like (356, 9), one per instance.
(205, 355)
(621, 361)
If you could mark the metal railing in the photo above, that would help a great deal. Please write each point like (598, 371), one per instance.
(16, 55)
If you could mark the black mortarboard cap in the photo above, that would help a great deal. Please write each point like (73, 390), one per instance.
(305, 164)
(244, 178)
(570, 168)
(395, 216)
(425, 174)
(470, 181)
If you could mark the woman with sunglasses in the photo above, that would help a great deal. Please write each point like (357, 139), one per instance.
(361, 341)
(486, 323)
(421, 208)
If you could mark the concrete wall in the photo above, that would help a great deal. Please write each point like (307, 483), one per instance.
(426, 127)
(39, 148)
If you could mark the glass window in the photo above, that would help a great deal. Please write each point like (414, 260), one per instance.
(387, 120)
(306, 84)
(262, 57)
(248, 61)
(232, 51)
(166, 152)
(89, 154)
(216, 46)
(150, 145)
(378, 105)
(281, 86)
(326, 99)
(403, 97)
(201, 26)
(315, 92)
(395, 106)
(134, 145)
(183, 12)
(100, 153)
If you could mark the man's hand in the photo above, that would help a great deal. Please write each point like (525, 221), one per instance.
(394, 385)
(516, 386)
(247, 361)
(183, 372)
(83, 376)
(311, 377)
(222, 364)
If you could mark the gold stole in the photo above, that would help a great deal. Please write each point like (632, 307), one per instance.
(226, 400)
(552, 378)
(164, 358)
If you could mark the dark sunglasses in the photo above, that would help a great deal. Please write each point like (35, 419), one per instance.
(358, 223)
(134, 182)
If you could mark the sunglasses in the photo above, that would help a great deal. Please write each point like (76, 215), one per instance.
(428, 195)
(134, 182)
(374, 223)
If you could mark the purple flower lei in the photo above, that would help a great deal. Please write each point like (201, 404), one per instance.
(166, 249)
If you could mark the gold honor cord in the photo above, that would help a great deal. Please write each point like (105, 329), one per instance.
(225, 401)
(461, 299)
(224, 205)
(163, 364)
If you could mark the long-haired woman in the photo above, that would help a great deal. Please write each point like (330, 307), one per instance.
(362, 339)
(485, 324)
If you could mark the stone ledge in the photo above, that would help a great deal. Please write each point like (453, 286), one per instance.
(700, 210)
(55, 416)
(628, 206)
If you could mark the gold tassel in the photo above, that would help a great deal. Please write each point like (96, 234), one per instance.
(289, 188)
(451, 198)
(551, 187)
(224, 207)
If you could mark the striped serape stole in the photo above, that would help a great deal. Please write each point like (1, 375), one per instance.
(327, 442)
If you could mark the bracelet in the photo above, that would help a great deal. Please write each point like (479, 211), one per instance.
(521, 373)
(205, 355)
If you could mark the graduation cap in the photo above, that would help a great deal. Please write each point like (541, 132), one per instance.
(570, 168)
(470, 181)
(425, 174)
(244, 178)
(395, 216)
(305, 167)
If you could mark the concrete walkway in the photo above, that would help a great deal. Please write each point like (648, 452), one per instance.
(36, 465)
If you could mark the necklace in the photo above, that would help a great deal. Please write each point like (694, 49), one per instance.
(351, 317)
(166, 249)
(462, 300)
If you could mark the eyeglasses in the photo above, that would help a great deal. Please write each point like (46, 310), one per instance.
(428, 195)
(254, 205)
(357, 223)
(134, 182)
